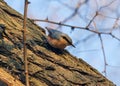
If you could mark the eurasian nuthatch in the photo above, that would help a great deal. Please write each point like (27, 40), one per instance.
(58, 39)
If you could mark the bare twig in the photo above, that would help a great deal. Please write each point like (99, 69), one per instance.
(92, 19)
(103, 51)
(76, 27)
(73, 14)
(66, 5)
(107, 5)
(76, 10)
(58, 23)
(24, 42)
(115, 24)
(107, 16)
(114, 36)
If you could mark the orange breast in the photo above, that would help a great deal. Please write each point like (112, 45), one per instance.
(61, 43)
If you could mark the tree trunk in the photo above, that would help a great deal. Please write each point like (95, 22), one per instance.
(47, 66)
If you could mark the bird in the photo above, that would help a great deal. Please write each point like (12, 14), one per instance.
(58, 39)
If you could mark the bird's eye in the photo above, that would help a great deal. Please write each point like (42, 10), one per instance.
(66, 39)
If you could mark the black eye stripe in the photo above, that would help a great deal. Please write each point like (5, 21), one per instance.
(66, 39)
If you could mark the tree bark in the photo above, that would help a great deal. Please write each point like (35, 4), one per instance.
(47, 66)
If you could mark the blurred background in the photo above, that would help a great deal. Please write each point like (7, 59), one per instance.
(94, 29)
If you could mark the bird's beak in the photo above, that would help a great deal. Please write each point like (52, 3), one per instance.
(73, 45)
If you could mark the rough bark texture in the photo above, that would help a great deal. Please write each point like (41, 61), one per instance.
(47, 66)
(7, 80)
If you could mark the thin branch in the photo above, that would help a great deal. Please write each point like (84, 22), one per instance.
(67, 25)
(92, 19)
(76, 10)
(65, 5)
(24, 42)
(103, 51)
(72, 8)
(108, 16)
(115, 24)
(72, 15)
(107, 5)
(58, 23)
(114, 36)
(77, 27)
